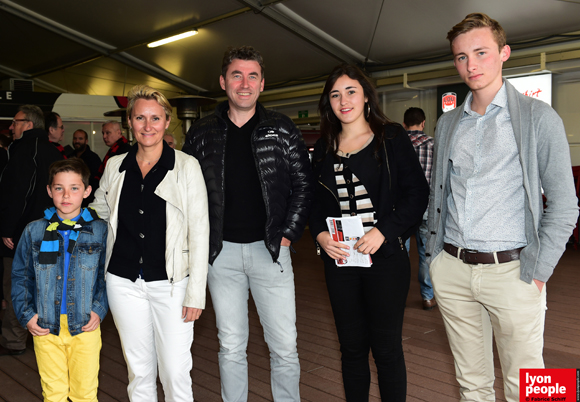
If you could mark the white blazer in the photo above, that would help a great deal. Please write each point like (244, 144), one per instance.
(187, 230)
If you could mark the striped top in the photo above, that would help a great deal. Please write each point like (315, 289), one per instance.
(352, 195)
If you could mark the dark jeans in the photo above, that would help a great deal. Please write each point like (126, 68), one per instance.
(368, 306)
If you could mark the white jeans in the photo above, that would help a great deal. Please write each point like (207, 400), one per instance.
(476, 300)
(152, 332)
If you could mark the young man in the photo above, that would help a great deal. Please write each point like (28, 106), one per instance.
(414, 123)
(58, 286)
(492, 246)
(259, 185)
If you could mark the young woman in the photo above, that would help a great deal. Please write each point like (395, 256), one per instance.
(366, 166)
(155, 202)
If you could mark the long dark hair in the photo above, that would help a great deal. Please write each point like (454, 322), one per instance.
(330, 126)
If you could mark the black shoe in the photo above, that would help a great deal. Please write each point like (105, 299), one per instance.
(11, 352)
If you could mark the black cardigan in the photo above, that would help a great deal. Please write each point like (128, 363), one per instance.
(394, 181)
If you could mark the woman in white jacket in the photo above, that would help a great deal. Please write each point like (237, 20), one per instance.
(155, 201)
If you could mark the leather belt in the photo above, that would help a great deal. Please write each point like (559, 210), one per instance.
(476, 257)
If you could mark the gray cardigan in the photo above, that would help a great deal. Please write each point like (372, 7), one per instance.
(545, 159)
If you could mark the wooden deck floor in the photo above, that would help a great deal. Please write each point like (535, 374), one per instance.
(429, 362)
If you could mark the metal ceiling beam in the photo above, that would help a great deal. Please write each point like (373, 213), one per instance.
(41, 83)
(288, 19)
(98, 46)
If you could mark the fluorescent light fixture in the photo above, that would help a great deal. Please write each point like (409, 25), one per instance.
(173, 38)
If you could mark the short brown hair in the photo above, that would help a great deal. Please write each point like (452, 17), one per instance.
(74, 165)
(413, 116)
(147, 93)
(478, 20)
(242, 53)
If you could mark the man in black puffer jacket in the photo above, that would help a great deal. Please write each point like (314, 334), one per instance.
(259, 184)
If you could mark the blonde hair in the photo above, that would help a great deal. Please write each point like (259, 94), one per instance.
(147, 93)
(478, 20)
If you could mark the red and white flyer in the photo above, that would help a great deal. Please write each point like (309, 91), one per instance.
(348, 231)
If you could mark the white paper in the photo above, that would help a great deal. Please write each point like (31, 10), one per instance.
(348, 231)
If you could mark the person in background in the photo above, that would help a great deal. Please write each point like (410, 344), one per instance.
(492, 246)
(169, 139)
(58, 289)
(259, 184)
(23, 199)
(414, 123)
(155, 202)
(5, 141)
(112, 137)
(83, 151)
(54, 126)
(366, 167)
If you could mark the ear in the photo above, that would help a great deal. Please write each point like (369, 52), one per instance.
(423, 125)
(168, 122)
(87, 191)
(262, 85)
(222, 82)
(505, 53)
(48, 190)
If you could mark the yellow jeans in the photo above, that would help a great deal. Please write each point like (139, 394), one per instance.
(68, 365)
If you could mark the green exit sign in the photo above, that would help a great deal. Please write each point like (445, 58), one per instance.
(302, 114)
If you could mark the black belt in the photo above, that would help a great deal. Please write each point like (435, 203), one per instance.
(477, 257)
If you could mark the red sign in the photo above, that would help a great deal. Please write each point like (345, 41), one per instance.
(549, 385)
(448, 101)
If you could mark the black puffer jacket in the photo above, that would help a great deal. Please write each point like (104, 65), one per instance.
(283, 166)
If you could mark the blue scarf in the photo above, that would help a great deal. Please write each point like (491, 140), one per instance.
(50, 243)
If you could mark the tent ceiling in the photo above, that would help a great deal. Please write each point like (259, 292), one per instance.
(100, 47)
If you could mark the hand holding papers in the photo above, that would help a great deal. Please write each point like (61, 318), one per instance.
(348, 231)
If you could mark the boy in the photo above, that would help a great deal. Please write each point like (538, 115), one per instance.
(58, 286)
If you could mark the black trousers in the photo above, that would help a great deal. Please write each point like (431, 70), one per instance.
(368, 306)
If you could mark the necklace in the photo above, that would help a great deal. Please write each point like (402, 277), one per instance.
(147, 162)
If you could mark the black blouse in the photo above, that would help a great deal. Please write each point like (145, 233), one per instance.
(139, 248)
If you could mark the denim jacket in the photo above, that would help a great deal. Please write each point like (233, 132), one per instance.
(37, 288)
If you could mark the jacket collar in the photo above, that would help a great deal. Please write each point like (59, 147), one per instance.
(167, 159)
(222, 109)
(169, 187)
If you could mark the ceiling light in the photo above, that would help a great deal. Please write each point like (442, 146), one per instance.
(173, 38)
